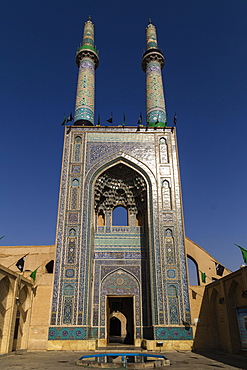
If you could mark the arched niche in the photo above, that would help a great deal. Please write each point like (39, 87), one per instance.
(101, 218)
(169, 246)
(120, 189)
(163, 150)
(77, 148)
(78, 140)
(172, 296)
(166, 195)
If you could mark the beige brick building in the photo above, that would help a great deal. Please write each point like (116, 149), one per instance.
(26, 305)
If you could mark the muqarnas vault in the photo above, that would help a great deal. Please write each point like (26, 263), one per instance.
(126, 282)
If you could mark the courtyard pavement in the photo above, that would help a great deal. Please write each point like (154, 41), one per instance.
(55, 360)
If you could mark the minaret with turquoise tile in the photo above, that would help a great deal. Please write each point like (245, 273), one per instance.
(152, 63)
(87, 60)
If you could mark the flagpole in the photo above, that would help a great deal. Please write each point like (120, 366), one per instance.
(11, 265)
(34, 272)
(15, 262)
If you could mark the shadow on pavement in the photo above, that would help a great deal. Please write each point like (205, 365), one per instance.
(240, 362)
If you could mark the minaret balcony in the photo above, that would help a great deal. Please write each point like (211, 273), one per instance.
(152, 55)
(87, 51)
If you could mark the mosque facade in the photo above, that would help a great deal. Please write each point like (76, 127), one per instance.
(125, 281)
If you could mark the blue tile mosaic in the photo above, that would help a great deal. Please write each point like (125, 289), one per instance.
(173, 333)
(67, 333)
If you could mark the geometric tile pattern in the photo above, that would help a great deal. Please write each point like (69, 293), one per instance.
(154, 94)
(85, 91)
(171, 333)
(94, 262)
(65, 333)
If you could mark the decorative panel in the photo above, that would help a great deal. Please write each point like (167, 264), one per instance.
(143, 262)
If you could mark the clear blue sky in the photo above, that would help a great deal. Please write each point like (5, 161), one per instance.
(205, 81)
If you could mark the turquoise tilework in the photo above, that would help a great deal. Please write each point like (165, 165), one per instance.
(67, 333)
(173, 333)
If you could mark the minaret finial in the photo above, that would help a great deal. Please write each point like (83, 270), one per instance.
(150, 21)
(152, 63)
(87, 60)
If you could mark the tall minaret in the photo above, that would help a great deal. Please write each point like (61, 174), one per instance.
(87, 60)
(152, 63)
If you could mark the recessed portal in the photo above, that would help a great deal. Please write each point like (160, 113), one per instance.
(120, 197)
(120, 320)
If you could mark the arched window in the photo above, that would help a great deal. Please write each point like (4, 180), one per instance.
(49, 267)
(192, 271)
(120, 216)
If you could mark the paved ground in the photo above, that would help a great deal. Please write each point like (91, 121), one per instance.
(55, 360)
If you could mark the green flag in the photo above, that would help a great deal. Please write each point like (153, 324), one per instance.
(244, 253)
(33, 274)
(203, 276)
(2, 237)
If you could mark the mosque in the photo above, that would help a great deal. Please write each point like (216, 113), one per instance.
(110, 278)
(100, 283)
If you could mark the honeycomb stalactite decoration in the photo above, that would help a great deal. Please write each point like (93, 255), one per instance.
(120, 186)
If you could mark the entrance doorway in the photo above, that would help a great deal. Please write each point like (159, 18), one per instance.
(120, 320)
